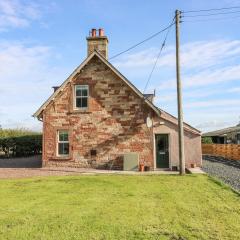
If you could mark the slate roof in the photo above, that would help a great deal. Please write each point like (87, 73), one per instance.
(223, 131)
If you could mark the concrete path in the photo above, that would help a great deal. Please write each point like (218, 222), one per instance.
(10, 173)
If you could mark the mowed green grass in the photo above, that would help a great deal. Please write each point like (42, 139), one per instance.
(118, 207)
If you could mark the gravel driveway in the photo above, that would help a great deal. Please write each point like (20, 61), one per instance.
(226, 170)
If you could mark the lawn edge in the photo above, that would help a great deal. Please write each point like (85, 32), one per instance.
(222, 184)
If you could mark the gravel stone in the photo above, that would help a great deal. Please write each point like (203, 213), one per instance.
(224, 169)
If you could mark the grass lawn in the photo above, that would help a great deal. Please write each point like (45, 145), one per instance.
(118, 207)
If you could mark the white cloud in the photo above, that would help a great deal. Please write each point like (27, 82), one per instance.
(205, 77)
(213, 103)
(210, 79)
(16, 13)
(188, 95)
(26, 80)
(234, 90)
(195, 54)
(15, 55)
(214, 125)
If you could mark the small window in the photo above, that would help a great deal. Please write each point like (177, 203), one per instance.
(81, 95)
(63, 143)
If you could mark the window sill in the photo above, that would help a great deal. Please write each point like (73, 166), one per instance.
(79, 111)
(63, 158)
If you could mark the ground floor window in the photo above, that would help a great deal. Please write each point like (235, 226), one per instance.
(63, 143)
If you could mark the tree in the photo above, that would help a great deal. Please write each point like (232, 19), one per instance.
(207, 140)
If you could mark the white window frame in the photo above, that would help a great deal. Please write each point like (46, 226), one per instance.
(75, 96)
(58, 141)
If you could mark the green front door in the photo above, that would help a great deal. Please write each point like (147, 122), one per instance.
(162, 153)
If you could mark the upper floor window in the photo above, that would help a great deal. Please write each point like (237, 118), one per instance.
(81, 96)
(63, 143)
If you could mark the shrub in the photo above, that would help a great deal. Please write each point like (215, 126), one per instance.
(207, 140)
(20, 146)
(16, 132)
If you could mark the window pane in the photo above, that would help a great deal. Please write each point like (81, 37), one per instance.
(66, 148)
(81, 90)
(63, 148)
(84, 102)
(78, 102)
(78, 92)
(63, 136)
(81, 102)
(60, 148)
(85, 92)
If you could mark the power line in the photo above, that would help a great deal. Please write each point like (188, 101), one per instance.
(211, 19)
(211, 14)
(159, 53)
(162, 46)
(143, 41)
(211, 9)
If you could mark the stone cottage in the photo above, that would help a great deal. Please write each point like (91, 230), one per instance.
(97, 116)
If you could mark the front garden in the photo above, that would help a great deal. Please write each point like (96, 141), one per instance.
(118, 207)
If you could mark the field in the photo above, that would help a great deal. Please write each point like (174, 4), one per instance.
(118, 207)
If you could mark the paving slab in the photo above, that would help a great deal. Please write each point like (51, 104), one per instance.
(196, 170)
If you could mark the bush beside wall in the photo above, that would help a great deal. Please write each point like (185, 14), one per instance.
(21, 146)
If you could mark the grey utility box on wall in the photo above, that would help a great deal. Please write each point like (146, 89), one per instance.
(130, 161)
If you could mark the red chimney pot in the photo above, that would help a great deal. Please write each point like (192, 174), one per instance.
(94, 32)
(101, 32)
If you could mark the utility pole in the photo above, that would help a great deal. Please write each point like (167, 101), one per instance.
(179, 98)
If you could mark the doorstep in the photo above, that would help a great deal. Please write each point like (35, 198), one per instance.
(196, 170)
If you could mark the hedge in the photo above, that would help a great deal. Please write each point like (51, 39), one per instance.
(21, 146)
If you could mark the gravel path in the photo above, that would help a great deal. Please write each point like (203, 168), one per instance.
(226, 170)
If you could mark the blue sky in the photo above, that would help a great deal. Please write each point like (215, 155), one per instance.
(43, 41)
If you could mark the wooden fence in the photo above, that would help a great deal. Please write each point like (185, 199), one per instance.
(230, 151)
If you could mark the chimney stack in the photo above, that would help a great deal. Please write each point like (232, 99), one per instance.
(98, 43)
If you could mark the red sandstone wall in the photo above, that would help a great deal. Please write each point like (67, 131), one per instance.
(114, 123)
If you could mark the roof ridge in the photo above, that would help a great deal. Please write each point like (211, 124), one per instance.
(94, 53)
